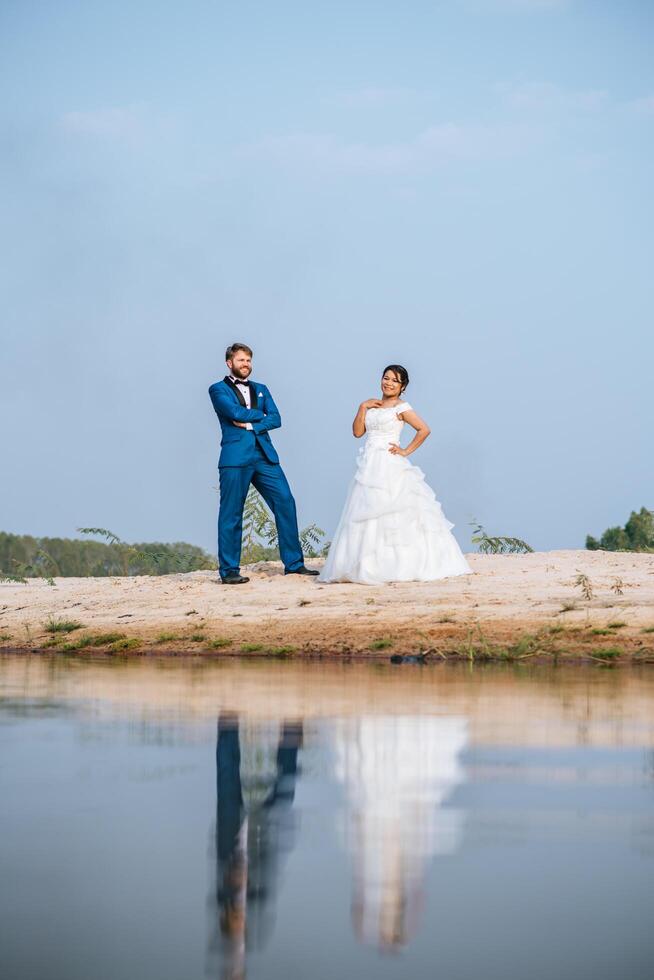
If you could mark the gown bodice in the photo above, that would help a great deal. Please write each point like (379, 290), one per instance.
(383, 425)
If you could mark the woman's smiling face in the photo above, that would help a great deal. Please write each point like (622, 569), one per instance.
(391, 385)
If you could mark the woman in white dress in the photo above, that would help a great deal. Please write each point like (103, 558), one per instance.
(392, 528)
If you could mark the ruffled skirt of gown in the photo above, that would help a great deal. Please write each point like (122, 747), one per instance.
(392, 528)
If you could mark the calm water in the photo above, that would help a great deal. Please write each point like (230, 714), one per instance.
(177, 820)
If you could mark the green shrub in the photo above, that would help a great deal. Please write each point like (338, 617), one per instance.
(61, 625)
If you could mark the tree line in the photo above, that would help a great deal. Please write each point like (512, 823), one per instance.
(24, 556)
(636, 535)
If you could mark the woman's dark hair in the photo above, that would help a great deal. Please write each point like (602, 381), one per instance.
(234, 348)
(400, 373)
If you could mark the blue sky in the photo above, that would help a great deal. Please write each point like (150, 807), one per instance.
(462, 186)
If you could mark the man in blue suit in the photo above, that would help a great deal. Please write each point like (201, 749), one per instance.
(246, 412)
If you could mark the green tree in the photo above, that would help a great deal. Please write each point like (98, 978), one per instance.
(23, 556)
(636, 535)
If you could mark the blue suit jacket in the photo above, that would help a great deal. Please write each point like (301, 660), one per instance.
(239, 446)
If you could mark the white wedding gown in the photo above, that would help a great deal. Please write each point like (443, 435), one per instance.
(392, 528)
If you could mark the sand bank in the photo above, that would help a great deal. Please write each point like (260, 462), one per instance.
(521, 606)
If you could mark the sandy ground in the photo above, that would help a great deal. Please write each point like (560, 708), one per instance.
(520, 606)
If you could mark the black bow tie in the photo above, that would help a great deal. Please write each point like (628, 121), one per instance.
(237, 381)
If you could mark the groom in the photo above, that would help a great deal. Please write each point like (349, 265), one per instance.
(246, 412)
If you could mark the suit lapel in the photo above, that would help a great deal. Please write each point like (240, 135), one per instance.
(254, 401)
(237, 391)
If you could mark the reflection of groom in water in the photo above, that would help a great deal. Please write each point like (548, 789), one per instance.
(250, 839)
(246, 412)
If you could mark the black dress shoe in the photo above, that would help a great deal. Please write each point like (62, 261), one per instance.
(233, 578)
(302, 570)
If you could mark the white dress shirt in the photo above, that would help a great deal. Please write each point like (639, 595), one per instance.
(244, 388)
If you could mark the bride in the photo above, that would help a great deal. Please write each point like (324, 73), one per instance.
(392, 528)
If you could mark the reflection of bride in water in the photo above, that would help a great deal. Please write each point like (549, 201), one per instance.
(397, 773)
(256, 770)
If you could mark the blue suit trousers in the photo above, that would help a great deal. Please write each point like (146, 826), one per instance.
(269, 479)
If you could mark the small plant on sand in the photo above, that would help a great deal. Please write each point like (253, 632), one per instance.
(12, 577)
(618, 586)
(4, 637)
(219, 642)
(568, 607)
(584, 583)
(647, 629)
(382, 644)
(42, 566)
(251, 647)
(127, 644)
(79, 644)
(88, 640)
(260, 539)
(617, 625)
(600, 632)
(131, 558)
(498, 545)
(103, 638)
(197, 637)
(61, 625)
(446, 619)
(166, 637)
(283, 651)
(608, 654)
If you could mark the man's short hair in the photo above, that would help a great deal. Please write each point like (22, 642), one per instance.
(234, 348)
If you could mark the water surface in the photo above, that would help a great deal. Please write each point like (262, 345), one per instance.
(245, 819)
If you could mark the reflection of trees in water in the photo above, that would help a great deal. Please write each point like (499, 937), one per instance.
(256, 770)
(397, 773)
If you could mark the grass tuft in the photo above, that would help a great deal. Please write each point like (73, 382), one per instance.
(281, 651)
(166, 637)
(197, 637)
(251, 647)
(219, 643)
(126, 644)
(101, 640)
(61, 625)
(382, 644)
(609, 653)
(600, 632)
(617, 626)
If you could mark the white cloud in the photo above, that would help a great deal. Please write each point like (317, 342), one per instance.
(375, 96)
(548, 96)
(435, 146)
(644, 105)
(114, 124)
